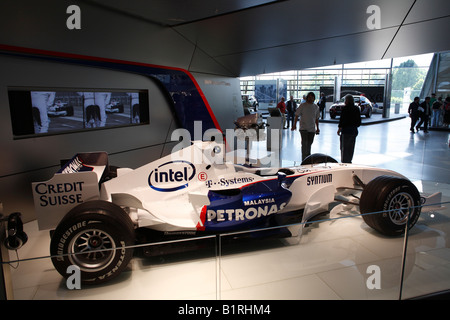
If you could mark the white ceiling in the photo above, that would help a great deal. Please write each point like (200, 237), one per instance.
(249, 37)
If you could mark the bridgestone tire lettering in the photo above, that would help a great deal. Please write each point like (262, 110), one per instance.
(96, 237)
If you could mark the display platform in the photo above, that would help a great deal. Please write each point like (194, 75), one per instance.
(334, 259)
(444, 129)
(374, 119)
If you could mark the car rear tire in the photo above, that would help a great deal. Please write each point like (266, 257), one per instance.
(387, 202)
(317, 158)
(95, 236)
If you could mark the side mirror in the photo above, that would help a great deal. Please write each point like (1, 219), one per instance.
(281, 176)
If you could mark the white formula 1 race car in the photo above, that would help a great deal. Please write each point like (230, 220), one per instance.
(97, 213)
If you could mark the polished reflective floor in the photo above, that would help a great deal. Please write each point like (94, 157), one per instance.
(332, 260)
(388, 145)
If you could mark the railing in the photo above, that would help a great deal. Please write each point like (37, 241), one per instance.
(336, 257)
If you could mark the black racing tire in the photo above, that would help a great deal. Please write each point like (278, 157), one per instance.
(386, 202)
(95, 236)
(317, 158)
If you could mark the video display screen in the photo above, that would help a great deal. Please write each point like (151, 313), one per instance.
(39, 111)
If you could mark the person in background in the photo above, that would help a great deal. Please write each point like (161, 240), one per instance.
(322, 104)
(432, 101)
(309, 114)
(349, 122)
(436, 112)
(291, 107)
(413, 111)
(424, 114)
(447, 112)
(282, 107)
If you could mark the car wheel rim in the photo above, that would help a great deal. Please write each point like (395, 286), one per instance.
(92, 250)
(399, 208)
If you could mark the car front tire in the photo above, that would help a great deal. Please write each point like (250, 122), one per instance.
(388, 202)
(94, 236)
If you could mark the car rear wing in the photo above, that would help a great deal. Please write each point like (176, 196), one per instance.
(76, 182)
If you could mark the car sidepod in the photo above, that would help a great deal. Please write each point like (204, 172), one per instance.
(252, 206)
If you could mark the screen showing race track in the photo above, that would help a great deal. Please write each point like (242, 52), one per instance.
(40, 111)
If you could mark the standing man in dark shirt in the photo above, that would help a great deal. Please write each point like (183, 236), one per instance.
(424, 112)
(348, 128)
(322, 104)
(291, 107)
(413, 111)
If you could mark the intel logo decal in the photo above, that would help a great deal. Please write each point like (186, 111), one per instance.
(171, 176)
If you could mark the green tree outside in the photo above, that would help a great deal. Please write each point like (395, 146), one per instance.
(407, 75)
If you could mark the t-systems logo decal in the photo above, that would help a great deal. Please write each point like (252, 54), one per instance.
(171, 176)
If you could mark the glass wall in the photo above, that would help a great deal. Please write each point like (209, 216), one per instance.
(443, 75)
(408, 74)
(438, 77)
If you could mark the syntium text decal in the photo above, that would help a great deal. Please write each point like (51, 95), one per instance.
(320, 179)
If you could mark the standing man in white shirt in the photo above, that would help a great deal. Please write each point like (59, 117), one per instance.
(309, 114)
